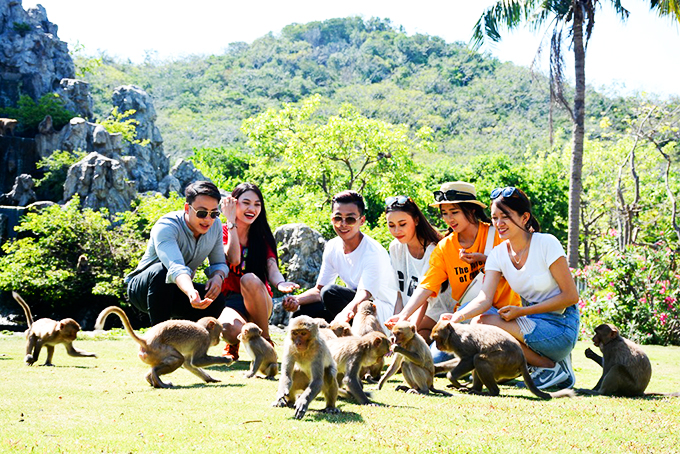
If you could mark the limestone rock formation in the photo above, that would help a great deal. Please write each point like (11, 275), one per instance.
(300, 253)
(22, 192)
(185, 173)
(76, 96)
(31, 55)
(152, 164)
(101, 182)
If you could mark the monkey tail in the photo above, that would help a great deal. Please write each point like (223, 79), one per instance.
(24, 306)
(530, 383)
(99, 324)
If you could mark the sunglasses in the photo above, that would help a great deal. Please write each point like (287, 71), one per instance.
(202, 214)
(349, 220)
(396, 200)
(505, 192)
(451, 195)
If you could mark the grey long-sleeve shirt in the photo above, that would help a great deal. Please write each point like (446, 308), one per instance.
(173, 244)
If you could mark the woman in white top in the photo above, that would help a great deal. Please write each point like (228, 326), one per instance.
(535, 266)
(414, 241)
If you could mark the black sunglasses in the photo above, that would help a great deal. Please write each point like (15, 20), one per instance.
(505, 192)
(349, 220)
(202, 214)
(451, 195)
(396, 200)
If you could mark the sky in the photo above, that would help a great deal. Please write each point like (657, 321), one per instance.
(641, 55)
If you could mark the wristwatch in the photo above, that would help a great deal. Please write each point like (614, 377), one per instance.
(230, 225)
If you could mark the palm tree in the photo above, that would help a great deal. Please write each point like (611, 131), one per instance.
(577, 17)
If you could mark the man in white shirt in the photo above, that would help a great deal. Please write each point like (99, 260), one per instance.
(360, 261)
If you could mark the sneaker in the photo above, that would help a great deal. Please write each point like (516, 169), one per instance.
(571, 380)
(231, 351)
(545, 377)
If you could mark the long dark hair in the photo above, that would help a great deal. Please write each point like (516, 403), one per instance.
(260, 237)
(425, 233)
(520, 204)
(473, 213)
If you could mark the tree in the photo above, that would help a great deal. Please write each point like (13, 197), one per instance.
(578, 18)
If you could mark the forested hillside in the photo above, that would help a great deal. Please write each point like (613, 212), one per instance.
(474, 103)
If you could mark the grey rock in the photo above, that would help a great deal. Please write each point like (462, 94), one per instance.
(76, 96)
(22, 192)
(100, 182)
(170, 184)
(152, 163)
(186, 173)
(300, 252)
(32, 57)
(280, 317)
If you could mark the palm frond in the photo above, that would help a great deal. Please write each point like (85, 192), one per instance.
(667, 8)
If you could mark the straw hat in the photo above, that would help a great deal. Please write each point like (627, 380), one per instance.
(456, 192)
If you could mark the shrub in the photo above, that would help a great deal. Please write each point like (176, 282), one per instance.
(30, 114)
(56, 165)
(637, 290)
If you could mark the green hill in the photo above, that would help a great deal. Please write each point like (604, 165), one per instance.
(474, 103)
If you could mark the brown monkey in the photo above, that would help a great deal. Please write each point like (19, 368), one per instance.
(172, 344)
(626, 369)
(341, 329)
(47, 332)
(366, 321)
(325, 331)
(354, 353)
(7, 125)
(307, 366)
(415, 359)
(261, 352)
(490, 353)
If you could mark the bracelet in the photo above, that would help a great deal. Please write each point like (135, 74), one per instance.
(277, 285)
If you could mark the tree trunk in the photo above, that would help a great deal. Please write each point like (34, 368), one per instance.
(575, 183)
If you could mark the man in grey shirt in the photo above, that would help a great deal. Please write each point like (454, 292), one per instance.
(180, 242)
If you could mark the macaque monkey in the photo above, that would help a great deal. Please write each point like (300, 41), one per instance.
(490, 353)
(354, 353)
(341, 329)
(47, 332)
(415, 359)
(307, 368)
(7, 125)
(366, 321)
(626, 369)
(174, 343)
(325, 331)
(261, 352)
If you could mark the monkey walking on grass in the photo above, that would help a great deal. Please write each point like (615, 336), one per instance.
(48, 333)
(490, 353)
(172, 344)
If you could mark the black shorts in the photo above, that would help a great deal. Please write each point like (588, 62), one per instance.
(234, 301)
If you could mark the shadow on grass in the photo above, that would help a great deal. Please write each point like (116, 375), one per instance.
(580, 392)
(343, 417)
(201, 385)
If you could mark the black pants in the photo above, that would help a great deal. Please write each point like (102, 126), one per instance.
(334, 298)
(149, 293)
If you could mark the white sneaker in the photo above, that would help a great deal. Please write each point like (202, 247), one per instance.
(545, 377)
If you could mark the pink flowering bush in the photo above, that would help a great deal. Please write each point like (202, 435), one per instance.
(638, 291)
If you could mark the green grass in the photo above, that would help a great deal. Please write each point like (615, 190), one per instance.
(104, 404)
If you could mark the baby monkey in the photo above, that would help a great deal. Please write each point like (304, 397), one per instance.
(47, 332)
(172, 344)
(261, 352)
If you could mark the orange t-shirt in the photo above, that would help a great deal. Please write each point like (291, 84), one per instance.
(445, 263)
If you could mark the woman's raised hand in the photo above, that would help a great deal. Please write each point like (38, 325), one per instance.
(228, 208)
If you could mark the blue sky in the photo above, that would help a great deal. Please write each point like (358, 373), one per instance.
(640, 55)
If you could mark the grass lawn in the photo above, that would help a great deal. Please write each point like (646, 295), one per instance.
(104, 404)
